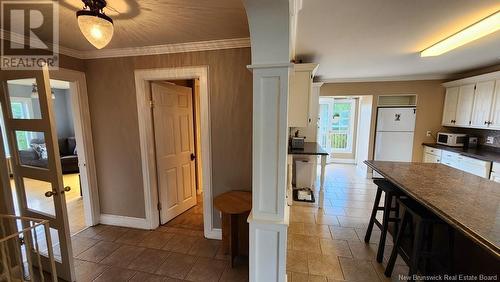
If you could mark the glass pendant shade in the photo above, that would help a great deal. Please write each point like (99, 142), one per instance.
(96, 27)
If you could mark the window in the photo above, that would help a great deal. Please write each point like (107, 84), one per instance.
(21, 109)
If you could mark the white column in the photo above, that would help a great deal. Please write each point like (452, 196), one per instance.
(270, 25)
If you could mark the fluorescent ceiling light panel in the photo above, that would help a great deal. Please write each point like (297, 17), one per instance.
(482, 28)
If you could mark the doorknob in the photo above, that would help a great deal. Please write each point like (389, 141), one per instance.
(66, 189)
(49, 194)
(193, 157)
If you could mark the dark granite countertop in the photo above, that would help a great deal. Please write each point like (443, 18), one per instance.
(469, 203)
(310, 148)
(481, 152)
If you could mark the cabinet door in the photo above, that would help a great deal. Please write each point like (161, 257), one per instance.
(298, 110)
(495, 111)
(450, 106)
(482, 103)
(464, 105)
(428, 158)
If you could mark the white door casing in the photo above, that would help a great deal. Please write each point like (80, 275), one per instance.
(47, 175)
(174, 143)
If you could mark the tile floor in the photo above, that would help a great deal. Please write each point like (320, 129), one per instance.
(328, 244)
(176, 251)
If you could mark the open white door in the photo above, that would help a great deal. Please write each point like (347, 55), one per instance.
(174, 142)
(32, 137)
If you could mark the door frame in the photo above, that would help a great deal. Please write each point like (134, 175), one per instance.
(82, 124)
(146, 136)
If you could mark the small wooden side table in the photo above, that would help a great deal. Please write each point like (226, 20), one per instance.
(235, 207)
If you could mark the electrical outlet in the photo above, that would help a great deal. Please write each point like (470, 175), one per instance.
(428, 133)
(490, 140)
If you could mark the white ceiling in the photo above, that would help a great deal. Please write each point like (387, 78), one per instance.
(380, 39)
(153, 22)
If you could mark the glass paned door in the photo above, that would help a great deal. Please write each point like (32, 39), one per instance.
(33, 146)
(336, 126)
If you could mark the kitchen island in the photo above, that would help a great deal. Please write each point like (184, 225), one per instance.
(310, 149)
(468, 203)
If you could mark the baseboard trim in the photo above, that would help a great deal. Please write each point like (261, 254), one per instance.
(124, 221)
(343, 161)
(215, 233)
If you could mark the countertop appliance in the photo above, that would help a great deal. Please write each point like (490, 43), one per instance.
(472, 142)
(451, 139)
(297, 142)
(394, 135)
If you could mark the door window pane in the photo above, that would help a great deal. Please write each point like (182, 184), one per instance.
(24, 99)
(36, 199)
(31, 148)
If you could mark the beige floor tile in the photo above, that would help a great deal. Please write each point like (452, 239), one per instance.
(375, 237)
(305, 217)
(147, 277)
(149, 260)
(318, 230)
(305, 243)
(176, 265)
(110, 234)
(99, 251)
(115, 274)
(334, 211)
(155, 240)
(344, 233)
(237, 273)
(324, 266)
(205, 269)
(363, 251)
(81, 244)
(358, 270)
(327, 219)
(335, 248)
(302, 277)
(88, 271)
(92, 231)
(398, 270)
(355, 222)
(180, 243)
(297, 261)
(205, 248)
(387, 255)
(123, 256)
(296, 228)
(133, 236)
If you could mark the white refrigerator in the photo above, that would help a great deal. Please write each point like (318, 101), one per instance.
(394, 136)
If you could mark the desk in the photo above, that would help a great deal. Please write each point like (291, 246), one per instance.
(311, 149)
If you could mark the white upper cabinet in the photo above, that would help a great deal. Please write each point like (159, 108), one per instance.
(495, 110)
(482, 104)
(300, 95)
(450, 106)
(464, 105)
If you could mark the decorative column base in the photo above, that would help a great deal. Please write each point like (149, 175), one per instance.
(268, 246)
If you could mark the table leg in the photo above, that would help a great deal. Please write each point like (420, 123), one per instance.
(322, 182)
(233, 239)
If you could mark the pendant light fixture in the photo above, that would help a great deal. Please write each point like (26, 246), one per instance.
(96, 26)
(34, 92)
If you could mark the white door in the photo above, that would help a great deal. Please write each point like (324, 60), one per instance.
(464, 106)
(174, 142)
(396, 119)
(450, 106)
(483, 103)
(495, 111)
(34, 151)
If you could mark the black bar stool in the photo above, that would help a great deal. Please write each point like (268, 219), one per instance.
(392, 193)
(421, 223)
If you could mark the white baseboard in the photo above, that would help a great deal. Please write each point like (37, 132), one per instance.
(343, 161)
(125, 221)
(215, 233)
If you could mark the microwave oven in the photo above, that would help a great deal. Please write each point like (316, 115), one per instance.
(452, 139)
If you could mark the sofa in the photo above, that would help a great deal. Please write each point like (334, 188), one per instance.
(67, 152)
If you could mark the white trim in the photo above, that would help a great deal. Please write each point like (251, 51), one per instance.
(140, 51)
(386, 78)
(142, 77)
(473, 79)
(83, 134)
(341, 161)
(124, 221)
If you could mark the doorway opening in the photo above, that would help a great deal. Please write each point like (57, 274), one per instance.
(176, 125)
(344, 128)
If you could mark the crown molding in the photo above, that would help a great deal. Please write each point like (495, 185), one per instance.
(386, 78)
(139, 51)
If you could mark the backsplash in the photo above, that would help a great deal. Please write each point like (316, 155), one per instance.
(482, 134)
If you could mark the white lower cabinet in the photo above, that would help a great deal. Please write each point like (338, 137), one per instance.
(455, 160)
(495, 172)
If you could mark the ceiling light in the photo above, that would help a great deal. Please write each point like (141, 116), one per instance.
(482, 28)
(34, 92)
(94, 24)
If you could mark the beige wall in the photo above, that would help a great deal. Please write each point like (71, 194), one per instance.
(430, 99)
(113, 111)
